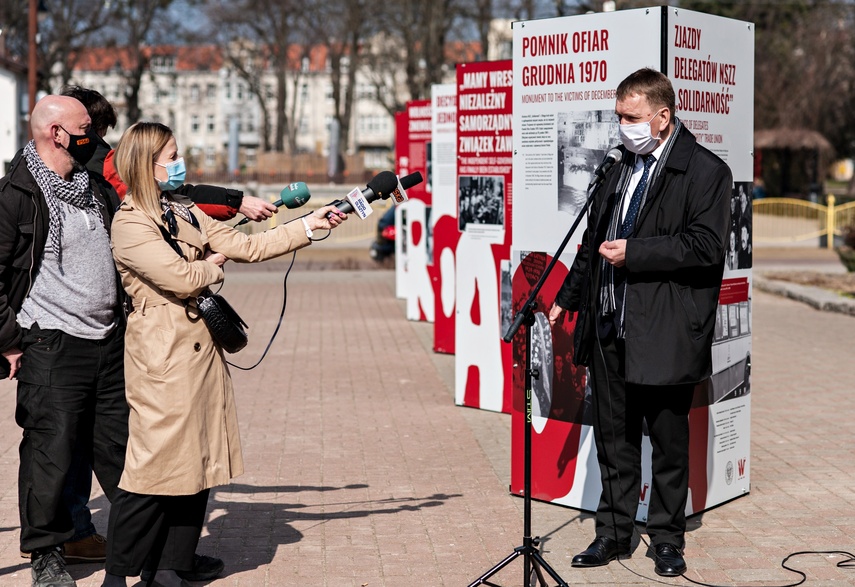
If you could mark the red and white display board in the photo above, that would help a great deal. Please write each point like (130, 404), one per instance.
(566, 71)
(412, 218)
(443, 181)
(484, 194)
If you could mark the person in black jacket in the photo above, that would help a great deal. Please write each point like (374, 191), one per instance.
(645, 283)
(61, 324)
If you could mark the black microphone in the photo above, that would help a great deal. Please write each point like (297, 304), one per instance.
(382, 186)
(293, 196)
(611, 159)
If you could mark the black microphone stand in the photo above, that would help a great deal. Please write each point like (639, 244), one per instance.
(533, 560)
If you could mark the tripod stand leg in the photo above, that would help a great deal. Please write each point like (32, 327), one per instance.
(540, 563)
(482, 580)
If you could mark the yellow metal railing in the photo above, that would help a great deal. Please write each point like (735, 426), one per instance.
(842, 216)
(787, 220)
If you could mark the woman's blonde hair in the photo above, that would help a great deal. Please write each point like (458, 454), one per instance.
(138, 149)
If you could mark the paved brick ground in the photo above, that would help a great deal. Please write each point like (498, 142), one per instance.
(361, 472)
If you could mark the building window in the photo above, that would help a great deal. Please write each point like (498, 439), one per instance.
(194, 93)
(194, 124)
(210, 157)
(376, 158)
(211, 92)
(210, 124)
(240, 92)
(250, 160)
(228, 91)
(372, 124)
(365, 91)
(163, 63)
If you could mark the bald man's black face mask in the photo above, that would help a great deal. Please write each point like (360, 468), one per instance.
(82, 147)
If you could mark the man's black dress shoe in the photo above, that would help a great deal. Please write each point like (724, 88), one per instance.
(669, 560)
(601, 552)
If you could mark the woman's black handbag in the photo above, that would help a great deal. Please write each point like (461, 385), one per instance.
(227, 328)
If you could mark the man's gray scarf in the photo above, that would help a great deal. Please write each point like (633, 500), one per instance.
(77, 192)
(607, 270)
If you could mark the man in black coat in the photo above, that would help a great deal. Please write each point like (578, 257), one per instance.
(646, 282)
(61, 325)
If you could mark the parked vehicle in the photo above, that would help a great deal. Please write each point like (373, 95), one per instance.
(384, 243)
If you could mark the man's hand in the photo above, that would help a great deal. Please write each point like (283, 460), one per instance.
(614, 252)
(256, 208)
(13, 355)
(555, 314)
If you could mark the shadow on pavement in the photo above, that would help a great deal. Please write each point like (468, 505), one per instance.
(272, 521)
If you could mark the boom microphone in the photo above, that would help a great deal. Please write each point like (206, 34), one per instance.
(381, 187)
(293, 196)
(611, 159)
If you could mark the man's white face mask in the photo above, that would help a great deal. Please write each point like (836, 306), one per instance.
(637, 137)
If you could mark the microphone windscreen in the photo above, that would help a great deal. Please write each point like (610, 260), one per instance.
(383, 184)
(412, 179)
(294, 195)
(615, 154)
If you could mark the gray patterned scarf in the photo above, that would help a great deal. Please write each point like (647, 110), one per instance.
(608, 304)
(77, 192)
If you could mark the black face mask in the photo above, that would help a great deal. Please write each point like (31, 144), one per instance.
(82, 147)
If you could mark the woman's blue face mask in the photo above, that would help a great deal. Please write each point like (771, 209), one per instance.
(176, 172)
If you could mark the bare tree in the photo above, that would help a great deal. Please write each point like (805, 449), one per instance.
(263, 33)
(250, 62)
(64, 30)
(70, 27)
(339, 26)
(133, 33)
(414, 33)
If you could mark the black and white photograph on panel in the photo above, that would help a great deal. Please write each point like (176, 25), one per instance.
(583, 140)
(541, 359)
(428, 235)
(428, 167)
(507, 310)
(739, 242)
(480, 200)
(732, 321)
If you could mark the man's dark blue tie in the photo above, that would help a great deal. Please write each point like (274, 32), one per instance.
(635, 201)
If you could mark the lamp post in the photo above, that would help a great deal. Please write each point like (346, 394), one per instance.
(32, 63)
(36, 9)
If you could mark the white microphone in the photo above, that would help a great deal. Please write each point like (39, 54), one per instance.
(381, 187)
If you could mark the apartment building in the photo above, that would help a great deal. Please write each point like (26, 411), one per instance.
(210, 107)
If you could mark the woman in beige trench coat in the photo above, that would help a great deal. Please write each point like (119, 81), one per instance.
(183, 432)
